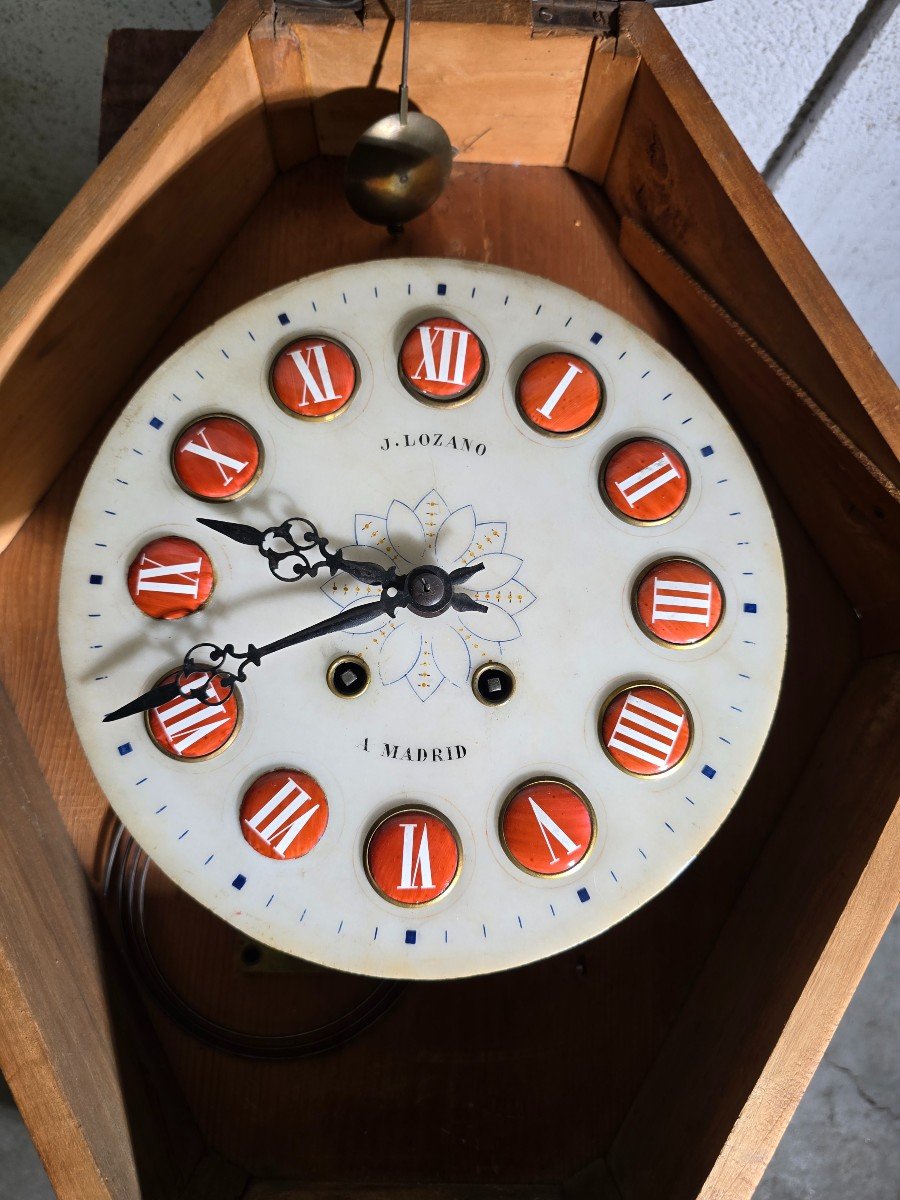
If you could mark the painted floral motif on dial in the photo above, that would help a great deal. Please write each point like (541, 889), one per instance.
(170, 578)
(191, 728)
(426, 654)
(283, 814)
(441, 360)
(679, 602)
(217, 458)
(547, 827)
(412, 856)
(645, 729)
(313, 377)
(560, 393)
(645, 481)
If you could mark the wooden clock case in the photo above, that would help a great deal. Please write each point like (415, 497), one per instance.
(663, 1059)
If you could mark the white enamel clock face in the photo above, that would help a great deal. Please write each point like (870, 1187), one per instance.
(441, 414)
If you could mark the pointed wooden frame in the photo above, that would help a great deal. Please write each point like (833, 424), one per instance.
(266, 90)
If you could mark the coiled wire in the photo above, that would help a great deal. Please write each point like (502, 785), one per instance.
(124, 886)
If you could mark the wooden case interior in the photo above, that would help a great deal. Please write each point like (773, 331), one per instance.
(665, 1057)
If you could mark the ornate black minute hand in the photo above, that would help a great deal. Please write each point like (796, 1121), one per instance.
(209, 660)
(287, 548)
(427, 591)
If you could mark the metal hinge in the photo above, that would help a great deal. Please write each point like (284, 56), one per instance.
(595, 16)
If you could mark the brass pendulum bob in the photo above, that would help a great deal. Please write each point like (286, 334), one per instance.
(401, 164)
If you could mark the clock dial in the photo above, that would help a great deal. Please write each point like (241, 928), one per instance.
(644, 480)
(170, 578)
(441, 360)
(547, 827)
(679, 602)
(560, 394)
(646, 729)
(313, 377)
(195, 725)
(216, 458)
(412, 856)
(283, 814)
(477, 655)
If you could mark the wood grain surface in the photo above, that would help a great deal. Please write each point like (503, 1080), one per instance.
(107, 278)
(138, 62)
(742, 1051)
(71, 1044)
(285, 86)
(611, 69)
(728, 985)
(678, 171)
(503, 96)
(851, 509)
(438, 1087)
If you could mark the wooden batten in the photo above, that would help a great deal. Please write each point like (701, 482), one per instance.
(284, 83)
(220, 191)
(849, 507)
(73, 1049)
(108, 277)
(274, 1189)
(679, 172)
(611, 69)
(742, 1051)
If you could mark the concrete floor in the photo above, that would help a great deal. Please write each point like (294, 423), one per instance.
(844, 1142)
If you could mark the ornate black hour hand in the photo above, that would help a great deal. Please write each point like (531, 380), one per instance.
(207, 661)
(461, 574)
(461, 601)
(288, 548)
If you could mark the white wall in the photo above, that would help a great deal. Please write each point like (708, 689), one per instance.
(810, 87)
(760, 60)
(842, 190)
(51, 71)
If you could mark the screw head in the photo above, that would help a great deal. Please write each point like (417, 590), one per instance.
(251, 954)
(430, 591)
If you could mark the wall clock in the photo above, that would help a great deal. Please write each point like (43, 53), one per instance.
(439, 612)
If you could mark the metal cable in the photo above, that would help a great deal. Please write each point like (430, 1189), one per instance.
(124, 884)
